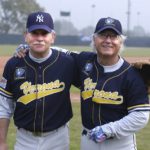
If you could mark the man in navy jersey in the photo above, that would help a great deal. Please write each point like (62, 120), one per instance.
(35, 89)
(114, 100)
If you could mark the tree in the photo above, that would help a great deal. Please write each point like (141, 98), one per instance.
(65, 27)
(13, 14)
(87, 31)
(138, 31)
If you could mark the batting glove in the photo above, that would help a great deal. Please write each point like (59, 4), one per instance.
(22, 46)
(97, 135)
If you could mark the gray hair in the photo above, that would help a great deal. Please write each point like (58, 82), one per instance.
(123, 38)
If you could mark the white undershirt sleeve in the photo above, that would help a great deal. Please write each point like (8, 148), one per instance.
(6, 107)
(126, 126)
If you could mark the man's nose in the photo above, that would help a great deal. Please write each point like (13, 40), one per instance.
(108, 38)
(40, 37)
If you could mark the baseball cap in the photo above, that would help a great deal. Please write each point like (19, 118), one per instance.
(39, 20)
(108, 23)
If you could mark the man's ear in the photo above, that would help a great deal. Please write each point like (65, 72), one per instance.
(93, 37)
(53, 37)
(25, 36)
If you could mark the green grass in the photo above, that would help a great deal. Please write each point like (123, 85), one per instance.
(7, 50)
(74, 89)
(75, 127)
(143, 136)
(136, 52)
(128, 51)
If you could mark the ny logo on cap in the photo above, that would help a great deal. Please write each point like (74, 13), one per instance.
(109, 21)
(39, 18)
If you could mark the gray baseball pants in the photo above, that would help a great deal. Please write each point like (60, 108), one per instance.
(126, 143)
(54, 140)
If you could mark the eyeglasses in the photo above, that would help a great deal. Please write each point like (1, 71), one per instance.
(105, 35)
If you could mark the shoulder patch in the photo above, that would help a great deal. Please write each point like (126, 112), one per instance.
(20, 73)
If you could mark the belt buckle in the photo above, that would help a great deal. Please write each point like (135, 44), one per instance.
(37, 133)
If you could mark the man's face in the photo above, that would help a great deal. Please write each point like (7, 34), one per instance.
(107, 43)
(39, 41)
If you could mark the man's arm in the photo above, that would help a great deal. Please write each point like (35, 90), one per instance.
(126, 126)
(4, 124)
(22, 49)
(6, 112)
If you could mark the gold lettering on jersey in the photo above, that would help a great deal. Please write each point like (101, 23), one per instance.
(33, 92)
(100, 96)
(103, 97)
(89, 86)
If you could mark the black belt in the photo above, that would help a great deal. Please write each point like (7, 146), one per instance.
(39, 134)
(47, 133)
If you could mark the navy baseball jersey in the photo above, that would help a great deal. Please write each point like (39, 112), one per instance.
(41, 91)
(108, 97)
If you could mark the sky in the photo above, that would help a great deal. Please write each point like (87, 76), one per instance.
(84, 14)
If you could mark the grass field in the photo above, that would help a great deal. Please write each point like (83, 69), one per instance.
(7, 50)
(143, 136)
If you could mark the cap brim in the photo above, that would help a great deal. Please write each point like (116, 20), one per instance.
(38, 27)
(109, 27)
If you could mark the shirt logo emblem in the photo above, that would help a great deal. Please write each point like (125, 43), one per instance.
(20, 73)
(88, 68)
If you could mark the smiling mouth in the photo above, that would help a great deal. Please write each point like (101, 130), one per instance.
(106, 46)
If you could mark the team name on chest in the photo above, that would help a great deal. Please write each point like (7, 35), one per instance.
(100, 96)
(34, 92)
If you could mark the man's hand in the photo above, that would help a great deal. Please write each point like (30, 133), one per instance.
(97, 135)
(21, 50)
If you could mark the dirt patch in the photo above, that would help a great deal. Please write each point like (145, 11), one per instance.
(75, 97)
(3, 60)
(138, 59)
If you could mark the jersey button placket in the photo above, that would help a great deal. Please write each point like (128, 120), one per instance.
(40, 74)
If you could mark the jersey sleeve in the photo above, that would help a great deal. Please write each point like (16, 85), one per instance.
(5, 82)
(137, 93)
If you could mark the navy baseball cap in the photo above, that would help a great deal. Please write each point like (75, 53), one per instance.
(39, 20)
(108, 23)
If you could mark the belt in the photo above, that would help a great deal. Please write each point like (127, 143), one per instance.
(40, 134)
